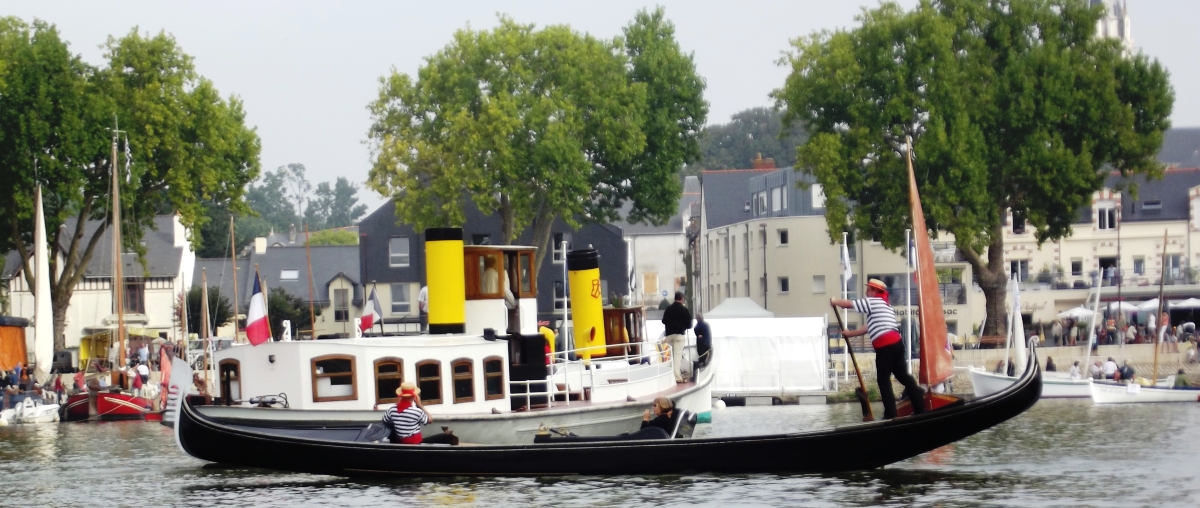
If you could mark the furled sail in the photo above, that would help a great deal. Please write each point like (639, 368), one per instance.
(936, 359)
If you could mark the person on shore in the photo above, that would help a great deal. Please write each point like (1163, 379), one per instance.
(663, 415)
(1076, 374)
(1126, 370)
(885, 339)
(1097, 370)
(1180, 380)
(1130, 334)
(677, 320)
(1050, 366)
(1110, 329)
(1012, 369)
(1110, 368)
(1056, 332)
(143, 372)
(703, 338)
(423, 307)
(406, 418)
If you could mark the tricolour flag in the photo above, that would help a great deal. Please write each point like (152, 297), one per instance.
(373, 314)
(258, 329)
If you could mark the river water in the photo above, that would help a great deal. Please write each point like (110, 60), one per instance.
(1058, 453)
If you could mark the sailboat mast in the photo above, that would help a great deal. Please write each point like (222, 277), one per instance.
(233, 260)
(312, 313)
(1161, 303)
(118, 280)
(204, 329)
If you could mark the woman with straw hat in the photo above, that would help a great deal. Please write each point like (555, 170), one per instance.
(406, 418)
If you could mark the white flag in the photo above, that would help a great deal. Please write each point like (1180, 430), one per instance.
(846, 273)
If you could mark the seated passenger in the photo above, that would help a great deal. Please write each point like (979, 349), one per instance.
(407, 416)
(1181, 381)
(664, 415)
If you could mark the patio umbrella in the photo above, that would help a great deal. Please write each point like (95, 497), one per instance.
(1076, 313)
(1150, 305)
(1190, 303)
(1125, 306)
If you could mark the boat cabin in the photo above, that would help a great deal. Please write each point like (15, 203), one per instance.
(501, 286)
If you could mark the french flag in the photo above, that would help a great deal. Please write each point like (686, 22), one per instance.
(258, 329)
(374, 313)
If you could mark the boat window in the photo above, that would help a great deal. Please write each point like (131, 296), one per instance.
(389, 373)
(333, 378)
(528, 274)
(429, 380)
(231, 381)
(493, 378)
(464, 381)
(485, 274)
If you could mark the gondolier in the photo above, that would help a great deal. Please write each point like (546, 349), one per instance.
(406, 418)
(885, 339)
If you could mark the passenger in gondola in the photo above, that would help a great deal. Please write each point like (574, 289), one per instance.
(1181, 380)
(1110, 368)
(663, 415)
(885, 339)
(406, 418)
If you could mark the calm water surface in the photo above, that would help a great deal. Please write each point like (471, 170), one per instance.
(1058, 453)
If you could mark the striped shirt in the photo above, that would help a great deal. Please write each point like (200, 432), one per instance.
(880, 316)
(407, 422)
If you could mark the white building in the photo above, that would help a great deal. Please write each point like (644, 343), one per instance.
(151, 289)
(656, 252)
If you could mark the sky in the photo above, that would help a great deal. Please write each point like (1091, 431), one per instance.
(306, 70)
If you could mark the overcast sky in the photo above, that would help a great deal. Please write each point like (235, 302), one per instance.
(306, 70)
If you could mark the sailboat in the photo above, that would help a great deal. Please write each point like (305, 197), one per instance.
(33, 409)
(1131, 391)
(112, 403)
(357, 451)
(1058, 385)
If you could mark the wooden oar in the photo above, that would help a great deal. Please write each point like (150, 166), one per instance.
(861, 391)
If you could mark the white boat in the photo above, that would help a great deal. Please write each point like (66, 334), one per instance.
(1126, 393)
(1053, 386)
(486, 386)
(29, 411)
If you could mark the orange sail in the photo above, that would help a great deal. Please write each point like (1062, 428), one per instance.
(937, 363)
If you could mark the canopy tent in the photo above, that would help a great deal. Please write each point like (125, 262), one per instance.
(1190, 303)
(1151, 304)
(739, 307)
(1075, 313)
(1121, 306)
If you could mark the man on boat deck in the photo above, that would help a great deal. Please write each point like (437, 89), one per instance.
(677, 320)
(889, 351)
(407, 416)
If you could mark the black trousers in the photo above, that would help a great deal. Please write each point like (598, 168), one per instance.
(889, 361)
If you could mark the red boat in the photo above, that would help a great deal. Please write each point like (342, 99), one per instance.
(109, 406)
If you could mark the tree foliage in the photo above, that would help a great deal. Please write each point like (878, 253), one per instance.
(334, 206)
(1013, 106)
(187, 144)
(536, 125)
(749, 133)
(333, 237)
(270, 199)
(282, 306)
(220, 309)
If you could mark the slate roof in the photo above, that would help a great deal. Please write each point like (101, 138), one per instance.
(726, 193)
(691, 194)
(162, 256)
(328, 262)
(1171, 192)
(220, 274)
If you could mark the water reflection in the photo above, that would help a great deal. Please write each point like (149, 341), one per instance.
(1058, 453)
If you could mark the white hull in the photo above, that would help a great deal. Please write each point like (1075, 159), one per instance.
(506, 428)
(987, 383)
(1114, 393)
(42, 413)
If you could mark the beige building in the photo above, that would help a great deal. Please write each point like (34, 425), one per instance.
(763, 236)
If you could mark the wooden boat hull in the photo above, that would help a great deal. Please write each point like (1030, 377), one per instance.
(121, 406)
(987, 383)
(76, 408)
(853, 447)
(1119, 393)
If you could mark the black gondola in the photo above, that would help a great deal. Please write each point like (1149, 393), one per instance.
(854, 447)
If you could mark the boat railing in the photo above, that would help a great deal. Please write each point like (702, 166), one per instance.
(568, 374)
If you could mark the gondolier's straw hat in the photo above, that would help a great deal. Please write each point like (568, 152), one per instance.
(877, 284)
(408, 390)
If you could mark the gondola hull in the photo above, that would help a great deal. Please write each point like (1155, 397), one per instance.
(854, 447)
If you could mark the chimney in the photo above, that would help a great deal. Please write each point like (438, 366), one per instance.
(260, 245)
(292, 234)
(761, 163)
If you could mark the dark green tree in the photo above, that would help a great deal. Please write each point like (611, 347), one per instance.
(269, 199)
(1013, 106)
(282, 306)
(220, 309)
(334, 206)
(749, 133)
(187, 145)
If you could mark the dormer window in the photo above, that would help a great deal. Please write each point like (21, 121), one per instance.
(1152, 205)
(1107, 218)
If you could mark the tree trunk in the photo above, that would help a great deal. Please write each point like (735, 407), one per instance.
(60, 305)
(992, 280)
